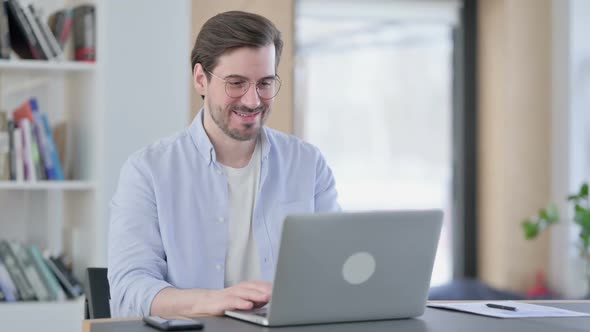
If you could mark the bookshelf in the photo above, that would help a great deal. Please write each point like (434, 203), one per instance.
(36, 66)
(59, 216)
(132, 95)
(48, 185)
(43, 316)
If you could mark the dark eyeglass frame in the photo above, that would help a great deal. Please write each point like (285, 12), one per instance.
(276, 78)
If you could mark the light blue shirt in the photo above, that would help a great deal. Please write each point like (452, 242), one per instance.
(169, 215)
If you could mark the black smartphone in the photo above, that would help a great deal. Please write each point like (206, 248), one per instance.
(172, 324)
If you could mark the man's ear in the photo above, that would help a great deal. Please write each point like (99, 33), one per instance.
(200, 79)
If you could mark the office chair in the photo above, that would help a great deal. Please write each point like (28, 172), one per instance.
(98, 294)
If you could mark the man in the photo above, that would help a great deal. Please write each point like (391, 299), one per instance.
(196, 219)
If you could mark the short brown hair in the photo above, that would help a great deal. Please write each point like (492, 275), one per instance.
(231, 30)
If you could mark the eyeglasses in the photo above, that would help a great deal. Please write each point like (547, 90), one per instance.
(235, 87)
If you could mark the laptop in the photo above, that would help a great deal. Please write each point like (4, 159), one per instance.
(342, 267)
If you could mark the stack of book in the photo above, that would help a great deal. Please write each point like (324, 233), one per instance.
(26, 274)
(27, 146)
(23, 30)
(28, 35)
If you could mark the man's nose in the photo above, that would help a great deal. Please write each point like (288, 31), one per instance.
(251, 99)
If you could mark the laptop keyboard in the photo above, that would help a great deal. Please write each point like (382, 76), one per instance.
(261, 313)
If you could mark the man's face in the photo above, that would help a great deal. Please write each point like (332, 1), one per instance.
(240, 118)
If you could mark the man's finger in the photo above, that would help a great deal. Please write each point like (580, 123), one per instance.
(238, 303)
(250, 294)
(260, 286)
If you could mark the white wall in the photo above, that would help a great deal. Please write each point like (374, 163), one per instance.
(145, 70)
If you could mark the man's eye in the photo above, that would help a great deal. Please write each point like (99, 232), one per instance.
(236, 84)
(265, 84)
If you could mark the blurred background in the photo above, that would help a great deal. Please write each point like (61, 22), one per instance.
(477, 107)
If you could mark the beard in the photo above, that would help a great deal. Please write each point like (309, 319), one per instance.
(246, 131)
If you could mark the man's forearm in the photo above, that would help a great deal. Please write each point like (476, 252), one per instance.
(185, 303)
(180, 303)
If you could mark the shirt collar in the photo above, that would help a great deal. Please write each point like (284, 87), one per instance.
(204, 145)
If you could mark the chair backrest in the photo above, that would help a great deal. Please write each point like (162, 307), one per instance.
(98, 294)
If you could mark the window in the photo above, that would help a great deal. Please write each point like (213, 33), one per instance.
(374, 93)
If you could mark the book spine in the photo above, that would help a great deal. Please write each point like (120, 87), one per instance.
(23, 286)
(31, 139)
(37, 160)
(19, 16)
(4, 148)
(43, 44)
(12, 150)
(43, 145)
(8, 287)
(72, 287)
(47, 35)
(19, 166)
(51, 281)
(4, 33)
(57, 169)
(30, 172)
(45, 162)
(26, 263)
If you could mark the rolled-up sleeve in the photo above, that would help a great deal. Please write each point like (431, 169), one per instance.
(136, 257)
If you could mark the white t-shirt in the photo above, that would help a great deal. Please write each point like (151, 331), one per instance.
(242, 261)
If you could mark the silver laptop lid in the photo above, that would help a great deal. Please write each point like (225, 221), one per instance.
(354, 266)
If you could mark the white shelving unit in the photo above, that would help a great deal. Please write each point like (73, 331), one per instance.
(60, 216)
(137, 91)
(48, 185)
(35, 66)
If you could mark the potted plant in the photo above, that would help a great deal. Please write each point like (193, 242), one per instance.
(548, 216)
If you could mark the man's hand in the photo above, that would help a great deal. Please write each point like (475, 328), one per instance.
(243, 296)
(179, 303)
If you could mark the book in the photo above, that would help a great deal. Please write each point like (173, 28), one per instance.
(4, 148)
(11, 147)
(60, 132)
(4, 34)
(51, 146)
(19, 166)
(51, 282)
(30, 142)
(70, 284)
(24, 288)
(22, 39)
(45, 159)
(6, 284)
(30, 174)
(60, 24)
(47, 34)
(24, 260)
(36, 29)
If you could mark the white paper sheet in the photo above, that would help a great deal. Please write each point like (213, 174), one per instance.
(522, 309)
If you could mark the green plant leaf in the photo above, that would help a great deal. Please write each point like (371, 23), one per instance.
(531, 229)
(583, 191)
(543, 214)
(585, 237)
(582, 218)
(574, 198)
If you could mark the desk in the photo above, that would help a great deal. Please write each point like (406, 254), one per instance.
(433, 320)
